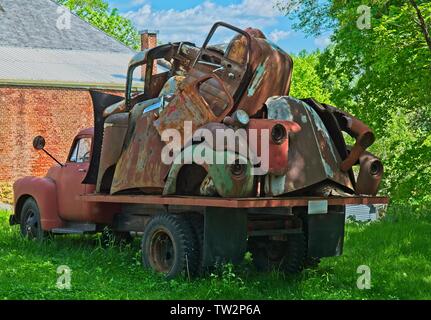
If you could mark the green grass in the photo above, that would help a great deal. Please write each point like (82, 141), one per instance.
(396, 249)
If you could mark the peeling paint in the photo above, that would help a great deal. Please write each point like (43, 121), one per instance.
(257, 79)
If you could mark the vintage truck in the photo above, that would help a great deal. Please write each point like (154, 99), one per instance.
(278, 188)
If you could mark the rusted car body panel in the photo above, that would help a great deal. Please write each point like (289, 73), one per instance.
(207, 86)
(312, 154)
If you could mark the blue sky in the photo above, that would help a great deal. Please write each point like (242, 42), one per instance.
(190, 20)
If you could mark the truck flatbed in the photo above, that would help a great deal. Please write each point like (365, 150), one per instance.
(232, 202)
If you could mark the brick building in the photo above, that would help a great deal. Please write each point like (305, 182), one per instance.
(49, 60)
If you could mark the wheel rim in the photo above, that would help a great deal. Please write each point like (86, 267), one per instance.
(31, 225)
(162, 251)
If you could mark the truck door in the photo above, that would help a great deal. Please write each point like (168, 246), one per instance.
(225, 54)
(70, 183)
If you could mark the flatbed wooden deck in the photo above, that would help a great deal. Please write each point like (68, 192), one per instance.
(231, 202)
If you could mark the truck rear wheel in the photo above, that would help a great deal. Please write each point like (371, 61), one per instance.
(30, 225)
(169, 246)
(286, 256)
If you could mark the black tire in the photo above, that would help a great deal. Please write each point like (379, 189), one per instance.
(197, 222)
(286, 256)
(110, 237)
(30, 225)
(169, 246)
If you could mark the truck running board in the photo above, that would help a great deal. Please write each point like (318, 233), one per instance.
(67, 231)
(75, 228)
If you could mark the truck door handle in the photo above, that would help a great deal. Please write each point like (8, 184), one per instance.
(82, 170)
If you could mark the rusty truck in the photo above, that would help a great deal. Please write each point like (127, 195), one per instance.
(287, 209)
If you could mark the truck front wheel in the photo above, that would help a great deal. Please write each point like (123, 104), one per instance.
(30, 225)
(286, 256)
(169, 246)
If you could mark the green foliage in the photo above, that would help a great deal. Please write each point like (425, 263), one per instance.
(395, 249)
(306, 81)
(98, 13)
(383, 76)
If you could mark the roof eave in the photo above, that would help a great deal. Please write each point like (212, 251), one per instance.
(64, 85)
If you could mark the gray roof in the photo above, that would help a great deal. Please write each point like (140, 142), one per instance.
(34, 51)
(33, 24)
(66, 66)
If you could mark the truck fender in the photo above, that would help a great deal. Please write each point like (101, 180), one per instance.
(44, 192)
(224, 183)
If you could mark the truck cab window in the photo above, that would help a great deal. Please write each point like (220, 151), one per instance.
(81, 151)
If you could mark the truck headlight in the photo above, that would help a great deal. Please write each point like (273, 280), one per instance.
(278, 134)
(241, 117)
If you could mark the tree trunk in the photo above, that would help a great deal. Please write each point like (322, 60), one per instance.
(422, 23)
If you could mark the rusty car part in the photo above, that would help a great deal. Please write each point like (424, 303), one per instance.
(139, 166)
(358, 130)
(312, 156)
(210, 86)
(101, 101)
(227, 179)
(278, 132)
(188, 104)
(239, 118)
(115, 130)
(370, 174)
(246, 74)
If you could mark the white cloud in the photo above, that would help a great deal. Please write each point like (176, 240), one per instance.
(194, 23)
(277, 35)
(138, 2)
(322, 42)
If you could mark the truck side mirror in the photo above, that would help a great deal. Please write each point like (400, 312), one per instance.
(39, 142)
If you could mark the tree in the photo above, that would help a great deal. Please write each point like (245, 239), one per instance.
(98, 13)
(306, 82)
(382, 74)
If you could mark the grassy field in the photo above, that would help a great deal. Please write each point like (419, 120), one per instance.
(397, 250)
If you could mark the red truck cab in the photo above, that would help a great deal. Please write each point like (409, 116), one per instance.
(57, 196)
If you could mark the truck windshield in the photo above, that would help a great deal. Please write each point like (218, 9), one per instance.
(81, 151)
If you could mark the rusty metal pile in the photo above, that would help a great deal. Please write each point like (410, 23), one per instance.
(240, 89)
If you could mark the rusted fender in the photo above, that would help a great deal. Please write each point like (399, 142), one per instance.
(221, 177)
(312, 157)
(44, 191)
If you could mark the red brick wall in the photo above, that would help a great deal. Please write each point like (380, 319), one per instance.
(56, 114)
